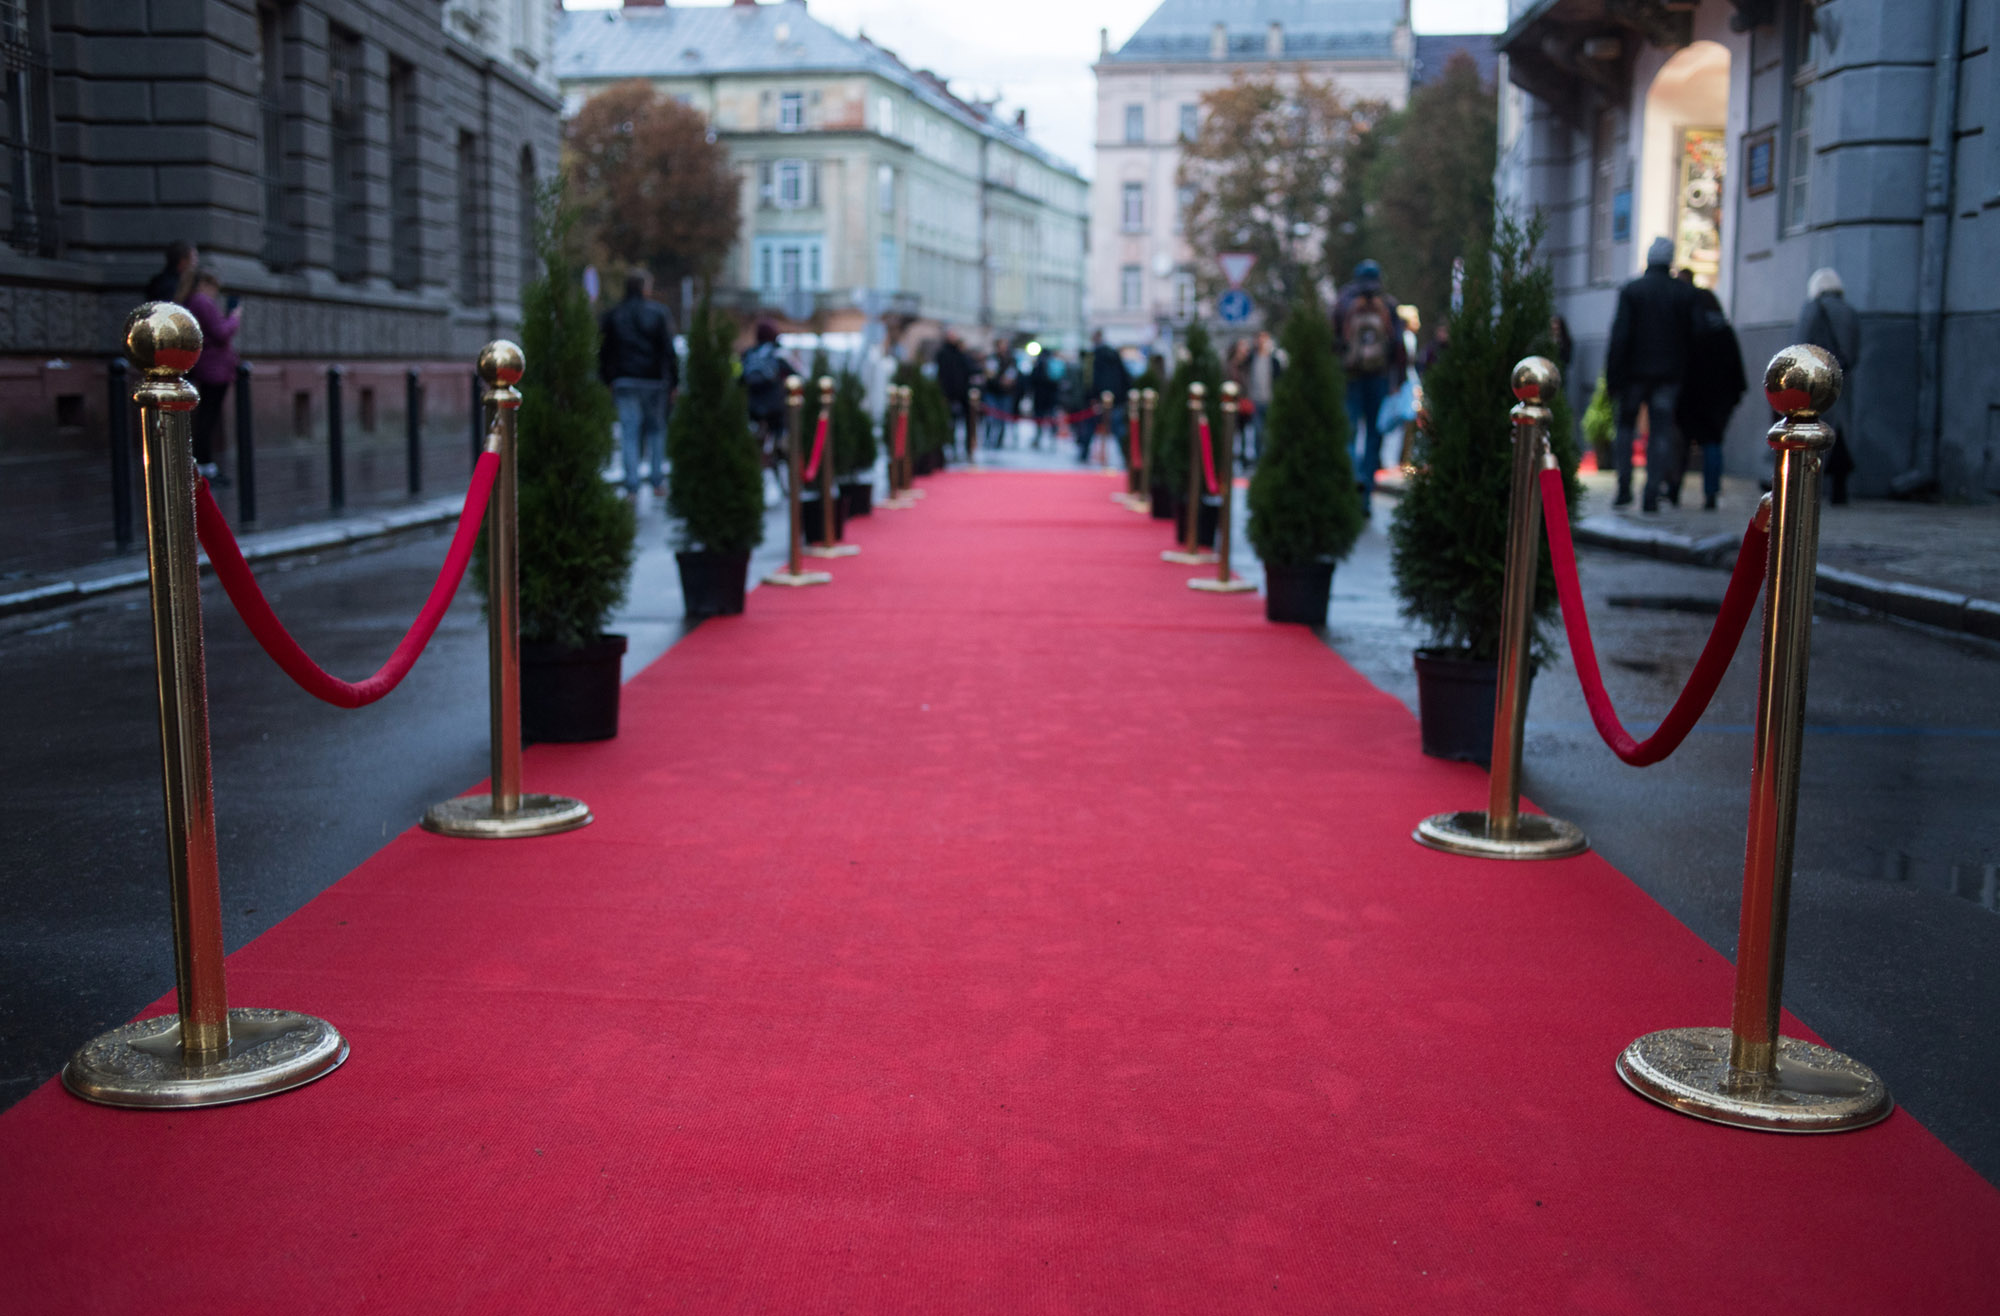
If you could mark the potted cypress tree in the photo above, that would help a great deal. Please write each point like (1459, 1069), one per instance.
(1448, 541)
(576, 531)
(716, 486)
(853, 445)
(930, 420)
(1174, 432)
(1304, 511)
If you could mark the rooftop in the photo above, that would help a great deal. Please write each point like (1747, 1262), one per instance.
(1183, 31)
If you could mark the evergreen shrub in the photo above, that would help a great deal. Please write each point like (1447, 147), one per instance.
(715, 490)
(1303, 504)
(1168, 464)
(1448, 542)
(853, 430)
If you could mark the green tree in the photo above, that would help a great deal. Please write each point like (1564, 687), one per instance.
(716, 488)
(1303, 504)
(853, 430)
(1172, 432)
(576, 531)
(930, 412)
(1448, 542)
(1429, 188)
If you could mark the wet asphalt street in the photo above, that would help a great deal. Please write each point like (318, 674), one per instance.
(1895, 943)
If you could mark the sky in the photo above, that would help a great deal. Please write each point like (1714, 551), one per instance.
(1036, 54)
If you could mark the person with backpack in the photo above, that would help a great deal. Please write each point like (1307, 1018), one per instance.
(1826, 320)
(765, 371)
(1368, 337)
(1651, 338)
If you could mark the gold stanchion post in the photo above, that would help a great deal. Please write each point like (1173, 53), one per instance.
(1107, 435)
(1501, 830)
(893, 421)
(206, 1054)
(506, 812)
(973, 415)
(1748, 1074)
(829, 544)
(794, 575)
(1225, 582)
(1149, 402)
(1191, 553)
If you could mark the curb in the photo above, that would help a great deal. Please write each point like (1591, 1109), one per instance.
(265, 546)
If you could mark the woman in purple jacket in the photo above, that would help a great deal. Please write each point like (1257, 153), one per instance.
(216, 369)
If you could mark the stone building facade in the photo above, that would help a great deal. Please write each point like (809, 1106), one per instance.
(1770, 138)
(1149, 101)
(869, 190)
(359, 172)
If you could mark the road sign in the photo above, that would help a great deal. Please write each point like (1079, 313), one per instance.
(1236, 266)
(1235, 307)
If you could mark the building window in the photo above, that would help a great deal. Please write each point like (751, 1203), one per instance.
(1184, 296)
(1190, 122)
(885, 117)
(471, 227)
(791, 263)
(790, 184)
(1132, 210)
(348, 149)
(1184, 198)
(1135, 125)
(1805, 48)
(27, 130)
(888, 267)
(1604, 143)
(405, 178)
(792, 112)
(885, 189)
(271, 127)
(1131, 288)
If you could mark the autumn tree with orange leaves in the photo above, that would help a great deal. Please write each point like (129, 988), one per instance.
(653, 186)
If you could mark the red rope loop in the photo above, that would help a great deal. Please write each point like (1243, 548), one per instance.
(1208, 458)
(1137, 458)
(1745, 584)
(819, 449)
(241, 585)
(902, 435)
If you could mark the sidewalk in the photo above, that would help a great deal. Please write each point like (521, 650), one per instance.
(1933, 563)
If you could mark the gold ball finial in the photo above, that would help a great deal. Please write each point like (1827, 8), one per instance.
(163, 338)
(1536, 381)
(502, 363)
(826, 389)
(1152, 395)
(795, 386)
(1197, 393)
(1229, 390)
(1803, 382)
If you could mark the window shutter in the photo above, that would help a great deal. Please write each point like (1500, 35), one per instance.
(812, 110)
(767, 114)
(767, 186)
(812, 194)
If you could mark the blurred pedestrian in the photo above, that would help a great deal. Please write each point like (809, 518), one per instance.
(1368, 335)
(765, 371)
(1644, 367)
(1260, 382)
(1826, 320)
(954, 376)
(215, 370)
(1107, 375)
(636, 358)
(172, 282)
(1045, 389)
(1714, 385)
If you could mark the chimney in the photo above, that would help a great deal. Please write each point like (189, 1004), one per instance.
(1274, 41)
(1103, 43)
(1218, 42)
(1021, 121)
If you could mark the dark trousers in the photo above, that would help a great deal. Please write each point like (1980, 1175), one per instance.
(208, 422)
(1663, 440)
(1365, 396)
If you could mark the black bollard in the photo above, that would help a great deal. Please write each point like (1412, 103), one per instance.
(246, 448)
(336, 442)
(413, 427)
(119, 419)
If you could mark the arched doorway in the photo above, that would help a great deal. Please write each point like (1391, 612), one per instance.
(1684, 157)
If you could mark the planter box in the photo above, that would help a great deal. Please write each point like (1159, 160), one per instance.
(712, 584)
(570, 695)
(1455, 705)
(1298, 594)
(809, 516)
(1205, 521)
(857, 497)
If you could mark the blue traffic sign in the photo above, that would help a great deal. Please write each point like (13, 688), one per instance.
(1235, 307)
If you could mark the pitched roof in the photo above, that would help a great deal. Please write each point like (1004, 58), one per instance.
(719, 40)
(1182, 30)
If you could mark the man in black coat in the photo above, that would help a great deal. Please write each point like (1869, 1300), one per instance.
(1715, 384)
(1650, 342)
(636, 357)
(1107, 375)
(954, 377)
(182, 258)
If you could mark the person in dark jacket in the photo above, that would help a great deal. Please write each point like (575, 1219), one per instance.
(954, 376)
(1826, 320)
(1647, 360)
(1044, 390)
(1714, 385)
(636, 357)
(765, 371)
(1107, 374)
(1368, 338)
(173, 282)
(214, 370)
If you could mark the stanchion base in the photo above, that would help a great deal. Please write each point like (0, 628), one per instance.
(1538, 837)
(1210, 585)
(1196, 559)
(539, 815)
(1816, 1089)
(140, 1066)
(898, 504)
(798, 579)
(831, 550)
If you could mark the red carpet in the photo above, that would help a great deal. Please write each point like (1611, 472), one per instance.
(1004, 928)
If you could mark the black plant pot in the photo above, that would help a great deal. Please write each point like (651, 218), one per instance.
(1166, 507)
(1204, 523)
(857, 497)
(809, 516)
(570, 695)
(1298, 593)
(1455, 705)
(712, 584)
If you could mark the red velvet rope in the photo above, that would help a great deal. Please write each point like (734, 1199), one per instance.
(1067, 418)
(1208, 458)
(241, 586)
(1137, 458)
(819, 449)
(1745, 584)
(902, 435)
